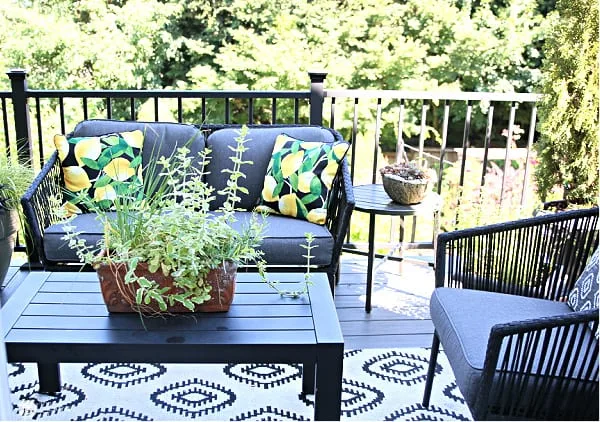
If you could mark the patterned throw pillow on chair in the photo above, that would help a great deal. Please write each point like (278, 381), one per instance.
(299, 178)
(103, 166)
(585, 293)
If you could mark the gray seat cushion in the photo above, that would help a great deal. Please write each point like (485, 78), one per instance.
(260, 144)
(283, 236)
(463, 319)
(57, 249)
(160, 138)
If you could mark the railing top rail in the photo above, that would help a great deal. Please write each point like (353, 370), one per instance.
(128, 93)
(433, 95)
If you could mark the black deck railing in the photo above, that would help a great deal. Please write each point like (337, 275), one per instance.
(458, 133)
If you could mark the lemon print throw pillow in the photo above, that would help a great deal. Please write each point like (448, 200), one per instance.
(299, 178)
(101, 166)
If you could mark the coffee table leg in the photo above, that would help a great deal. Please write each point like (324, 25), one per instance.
(308, 377)
(370, 259)
(49, 376)
(328, 394)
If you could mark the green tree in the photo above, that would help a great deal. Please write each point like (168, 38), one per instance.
(87, 44)
(568, 147)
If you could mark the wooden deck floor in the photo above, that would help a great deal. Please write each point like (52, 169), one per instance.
(400, 314)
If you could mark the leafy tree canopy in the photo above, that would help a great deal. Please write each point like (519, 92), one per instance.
(270, 44)
(568, 148)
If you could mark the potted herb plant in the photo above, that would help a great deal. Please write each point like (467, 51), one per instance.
(406, 183)
(162, 249)
(15, 178)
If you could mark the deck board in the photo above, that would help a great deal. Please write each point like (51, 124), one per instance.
(400, 314)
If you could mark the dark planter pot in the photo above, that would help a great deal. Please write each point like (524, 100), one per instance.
(9, 225)
(120, 297)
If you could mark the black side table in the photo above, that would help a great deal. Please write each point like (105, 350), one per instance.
(373, 200)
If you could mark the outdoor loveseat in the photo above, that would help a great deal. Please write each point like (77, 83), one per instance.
(283, 235)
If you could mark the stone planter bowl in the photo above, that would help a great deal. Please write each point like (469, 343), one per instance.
(404, 191)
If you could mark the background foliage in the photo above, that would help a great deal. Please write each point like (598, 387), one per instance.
(466, 45)
(568, 148)
(268, 44)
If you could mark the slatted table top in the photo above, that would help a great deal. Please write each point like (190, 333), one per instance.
(373, 199)
(61, 317)
(58, 311)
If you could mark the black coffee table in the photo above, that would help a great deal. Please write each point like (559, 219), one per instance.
(60, 317)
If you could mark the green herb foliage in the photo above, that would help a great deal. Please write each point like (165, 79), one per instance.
(166, 223)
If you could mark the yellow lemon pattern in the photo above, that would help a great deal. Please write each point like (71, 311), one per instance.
(287, 205)
(105, 192)
(134, 139)
(269, 189)
(300, 176)
(89, 148)
(291, 163)
(62, 146)
(102, 167)
(119, 169)
(76, 178)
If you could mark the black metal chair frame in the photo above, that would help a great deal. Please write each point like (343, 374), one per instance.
(542, 257)
(38, 205)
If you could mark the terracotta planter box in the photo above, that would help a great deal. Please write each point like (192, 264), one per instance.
(120, 297)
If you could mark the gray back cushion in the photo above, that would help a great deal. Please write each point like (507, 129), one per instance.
(160, 138)
(260, 147)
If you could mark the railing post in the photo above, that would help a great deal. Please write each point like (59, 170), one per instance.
(18, 82)
(316, 97)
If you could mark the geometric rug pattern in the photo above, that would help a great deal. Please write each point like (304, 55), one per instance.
(378, 384)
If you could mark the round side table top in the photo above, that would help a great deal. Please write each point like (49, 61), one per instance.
(373, 199)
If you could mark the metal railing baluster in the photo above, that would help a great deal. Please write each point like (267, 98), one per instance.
(61, 106)
(296, 110)
(250, 111)
(38, 120)
(400, 152)
(5, 123)
(424, 108)
(227, 117)
(444, 144)
(511, 126)
(132, 108)
(532, 121)
(332, 117)
(487, 141)
(377, 135)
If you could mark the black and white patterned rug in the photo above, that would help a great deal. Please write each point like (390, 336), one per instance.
(378, 384)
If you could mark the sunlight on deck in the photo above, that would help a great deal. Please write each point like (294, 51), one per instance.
(400, 287)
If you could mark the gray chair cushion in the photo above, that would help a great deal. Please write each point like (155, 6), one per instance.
(260, 144)
(57, 249)
(283, 236)
(160, 138)
(463, 320)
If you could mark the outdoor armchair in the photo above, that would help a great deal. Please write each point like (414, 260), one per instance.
(517, 348)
